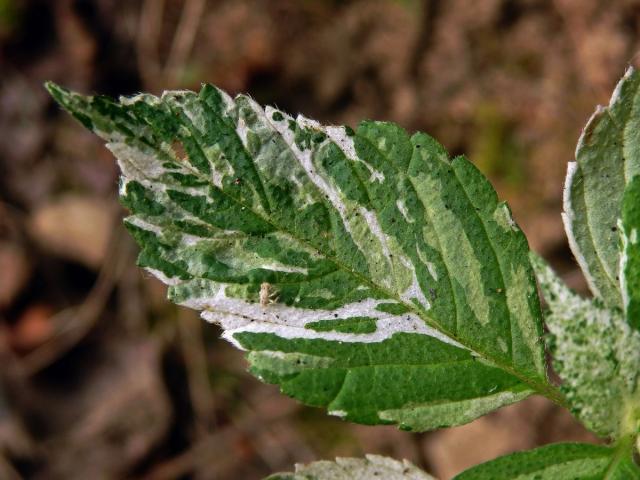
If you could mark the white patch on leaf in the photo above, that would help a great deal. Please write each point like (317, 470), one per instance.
(403, 210)
(236, 315)
(345, 143)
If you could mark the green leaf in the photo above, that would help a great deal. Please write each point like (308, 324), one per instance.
(630, 258)
(562, 461)
(365, 271)
(597, 355)
(607, 157)
(369, 468)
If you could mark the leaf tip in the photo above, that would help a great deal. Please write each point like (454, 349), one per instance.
(74, 103)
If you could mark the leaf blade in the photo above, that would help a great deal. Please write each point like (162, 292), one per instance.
(595, 352)
(235, 206)
(411, 380)
(607, 157)
(370, 467)
(560, 461)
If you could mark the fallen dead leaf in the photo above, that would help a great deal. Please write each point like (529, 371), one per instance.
(32, 329)
(74, 226)
(14, 272)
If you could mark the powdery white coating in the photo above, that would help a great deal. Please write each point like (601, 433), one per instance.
(122, 189)
(308, 122)
(503, 217)
(242, 130)
(196, 118)
(376, 176)
(143, 224)
(185, 238)
(130, 159)
(308, 197)
(304, 196)
(432, 270)
(190, 240)
(339, 136)
(373, 467)
(162, 277)
(219, 169)
(236, 315)
(281, 267)
(304, 158)
(287, 363)
(414, 291)
(345, 143)
(596, 353)
(429, 416)
(430, 266)
(216, 177)
(568, 217)
(135, 164)
(519, 280)
(463, 247)
(403, 210)
(144, 97)
(624, 258)
(338, 413)
(372, 221)
(385, 327)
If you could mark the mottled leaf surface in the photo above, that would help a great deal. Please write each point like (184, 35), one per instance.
(607, 157)
(365, 271)
(630, 258)
(597, 355)
(563, 461)
(373, 467)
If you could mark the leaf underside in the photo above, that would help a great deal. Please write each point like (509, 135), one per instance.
(561, 461)
(365, 271)
(607, 158)
(373, 467)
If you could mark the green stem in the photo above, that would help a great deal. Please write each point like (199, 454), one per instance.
(623, 451)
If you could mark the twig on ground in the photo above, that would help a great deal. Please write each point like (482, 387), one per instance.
(183, 40)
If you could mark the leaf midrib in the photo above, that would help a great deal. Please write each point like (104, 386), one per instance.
(437, 233)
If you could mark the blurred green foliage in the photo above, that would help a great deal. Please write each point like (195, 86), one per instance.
(493, 146)
(9, 16)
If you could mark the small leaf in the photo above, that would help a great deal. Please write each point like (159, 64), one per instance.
(365, 271)
(597, 355)
(607, 157)
(630, 258)
(562, 461)
(373, 467)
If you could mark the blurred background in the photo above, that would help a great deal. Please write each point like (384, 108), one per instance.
(100, 377)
